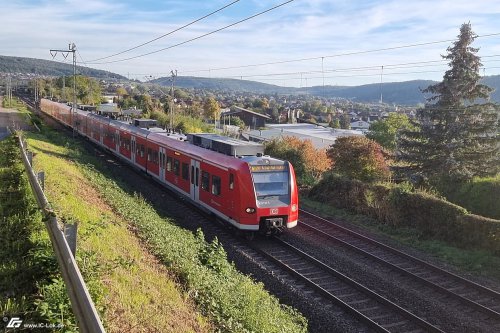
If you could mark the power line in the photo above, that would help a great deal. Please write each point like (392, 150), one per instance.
(168, 33)
(199, 37)
(406, 65)
(338, 54)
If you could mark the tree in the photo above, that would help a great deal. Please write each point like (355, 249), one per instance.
(308, 162)
(334, 123)
(385, 131)
(211, 108)
(455, 138)
(345, 121)
(358, 158)
(120, 91)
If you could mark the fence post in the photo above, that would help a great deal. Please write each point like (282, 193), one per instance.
(41, 179)
(70, 232)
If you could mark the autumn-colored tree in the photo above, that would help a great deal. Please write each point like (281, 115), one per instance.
(358, 158)
(308, 162)
(211, 108)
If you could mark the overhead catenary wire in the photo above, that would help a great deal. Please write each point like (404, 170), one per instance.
(336, 55)
(198, 37)
(168, 33)
(374, 68)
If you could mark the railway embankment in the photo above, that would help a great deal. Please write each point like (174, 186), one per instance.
(145, 273)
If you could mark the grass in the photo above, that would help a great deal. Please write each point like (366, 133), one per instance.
(132, 291)
(477, 262)
(31, 287)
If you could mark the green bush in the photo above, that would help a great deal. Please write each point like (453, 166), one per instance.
(480, 196)
(399, 205)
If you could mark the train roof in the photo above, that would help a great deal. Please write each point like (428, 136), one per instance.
(185, 147)
(226, 145)
(213, 148)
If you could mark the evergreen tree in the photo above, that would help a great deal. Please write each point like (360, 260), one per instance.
(455, 138)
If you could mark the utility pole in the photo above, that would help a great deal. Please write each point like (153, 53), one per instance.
(173, 74)
(65, 53)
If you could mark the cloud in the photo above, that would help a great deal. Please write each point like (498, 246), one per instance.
(301, 29)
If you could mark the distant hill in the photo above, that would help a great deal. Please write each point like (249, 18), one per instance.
(50, 68)
(402, 93)
(224, 84)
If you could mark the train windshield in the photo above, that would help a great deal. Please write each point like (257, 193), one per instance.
(272, 185)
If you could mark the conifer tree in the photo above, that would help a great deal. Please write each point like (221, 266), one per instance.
(456, 135)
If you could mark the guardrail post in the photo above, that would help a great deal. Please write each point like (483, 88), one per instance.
(30, 157)
(70, 232)
(41, 179)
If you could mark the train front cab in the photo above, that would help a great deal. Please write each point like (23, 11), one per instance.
(272, 203)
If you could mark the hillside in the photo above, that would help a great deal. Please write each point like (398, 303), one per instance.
(402, 93)
(224, 84)
(20, 65)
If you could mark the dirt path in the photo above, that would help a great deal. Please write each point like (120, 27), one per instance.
(11, 118)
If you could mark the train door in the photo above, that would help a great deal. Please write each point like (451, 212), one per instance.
(117, 140)
(101, 136)
(195, 179)
(133, 148)
(162, 163)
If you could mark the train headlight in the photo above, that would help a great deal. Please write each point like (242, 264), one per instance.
(250, 210)
(294, 207)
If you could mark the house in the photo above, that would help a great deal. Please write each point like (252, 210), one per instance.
(360, 125)
(251, 119)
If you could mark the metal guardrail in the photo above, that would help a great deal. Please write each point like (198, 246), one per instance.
(81, 302)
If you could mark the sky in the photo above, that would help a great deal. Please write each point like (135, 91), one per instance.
(301, 43)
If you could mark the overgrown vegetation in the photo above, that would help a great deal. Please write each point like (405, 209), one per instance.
(31, 287)
(480, 195)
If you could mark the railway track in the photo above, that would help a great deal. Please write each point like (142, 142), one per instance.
(375, 311)
(468, 293)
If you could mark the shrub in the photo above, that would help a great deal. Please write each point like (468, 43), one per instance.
(479, 195)
(358, 158)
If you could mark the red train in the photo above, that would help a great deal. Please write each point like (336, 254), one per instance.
(231, 179)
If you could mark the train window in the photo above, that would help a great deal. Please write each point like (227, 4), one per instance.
(205, 180)
(192, 174)
(231, 181)
(142, 150)
(185, 171)
(216, 185)
(155, 156)
(149, 154)
(176, 167)
(169, 163)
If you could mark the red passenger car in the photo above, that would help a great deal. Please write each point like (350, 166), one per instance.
(229, 178)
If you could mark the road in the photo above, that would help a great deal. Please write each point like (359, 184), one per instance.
(11, 118)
